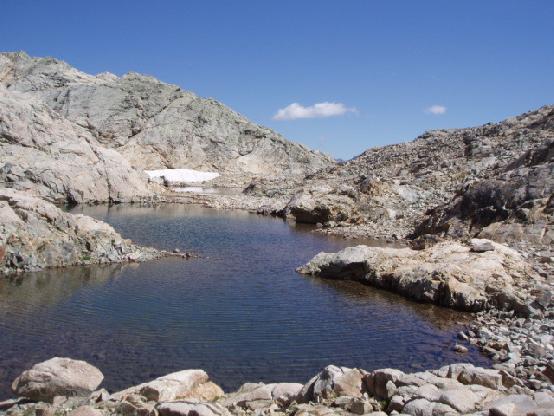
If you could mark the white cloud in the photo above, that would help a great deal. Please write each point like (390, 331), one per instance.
(436, 109)
(318, 110)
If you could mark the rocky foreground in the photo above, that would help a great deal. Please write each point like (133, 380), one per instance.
(62, 386)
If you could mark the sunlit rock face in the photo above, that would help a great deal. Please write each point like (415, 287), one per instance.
(150, 125)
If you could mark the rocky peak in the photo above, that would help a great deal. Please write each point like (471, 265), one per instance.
(157, 125)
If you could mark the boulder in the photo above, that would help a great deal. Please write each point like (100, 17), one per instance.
(85, 411)
(57, 377)
(463, 400)
(469, 374)
(447, 274)
(479, 245)
(187, 384)
(376, 382)
(540, 404)
(332, 382)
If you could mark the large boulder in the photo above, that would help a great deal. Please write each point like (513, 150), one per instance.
(448, 274)
(539, 404)
(332, 382)
(377, 382)
(57, 377)
(469, 374)
(186, 384)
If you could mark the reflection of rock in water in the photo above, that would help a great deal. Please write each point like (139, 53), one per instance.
(27, 291)
(441, 318)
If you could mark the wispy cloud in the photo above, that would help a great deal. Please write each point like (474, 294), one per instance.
(436, 109)
(319, 110)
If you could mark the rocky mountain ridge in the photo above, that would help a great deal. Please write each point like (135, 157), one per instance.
(154, 125)
(390, 191)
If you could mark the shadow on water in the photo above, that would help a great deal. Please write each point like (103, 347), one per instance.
(240, 312)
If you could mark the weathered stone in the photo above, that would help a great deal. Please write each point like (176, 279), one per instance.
(57, 376)
(469, 374)
(418, 407)
(376, 382)
(281, 393)
(332, 382)
(478, 245)
(447, 274)
(463, 401)
(186, 384)
(515, 405)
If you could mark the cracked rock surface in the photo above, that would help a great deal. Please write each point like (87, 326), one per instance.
(35, 234)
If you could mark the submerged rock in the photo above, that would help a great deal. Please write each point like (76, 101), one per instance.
(447, 274)
(57, 377)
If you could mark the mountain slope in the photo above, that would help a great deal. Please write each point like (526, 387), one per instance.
(390, 190)
(59, 160)
(156, 125)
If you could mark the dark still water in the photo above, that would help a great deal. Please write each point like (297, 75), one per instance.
(240, 312)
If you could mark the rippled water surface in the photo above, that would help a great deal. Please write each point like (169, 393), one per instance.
(240, 312)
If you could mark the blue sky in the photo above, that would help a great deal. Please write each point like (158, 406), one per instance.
(381, 64)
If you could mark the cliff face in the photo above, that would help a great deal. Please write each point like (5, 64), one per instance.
(59, 160)
(155, 125)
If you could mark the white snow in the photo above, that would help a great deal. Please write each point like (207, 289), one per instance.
(182, 175)
(195, 190)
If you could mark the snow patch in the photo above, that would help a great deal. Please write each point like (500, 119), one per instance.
(181, 175)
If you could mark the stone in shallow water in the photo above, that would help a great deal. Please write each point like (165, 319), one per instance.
(57, 377)
(447, 274)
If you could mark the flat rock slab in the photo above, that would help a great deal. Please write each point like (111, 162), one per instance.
(448, 274)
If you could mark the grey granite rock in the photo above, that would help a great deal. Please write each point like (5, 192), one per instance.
(57, 377)
(448, 274)
(155, 125)
(35, 234)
